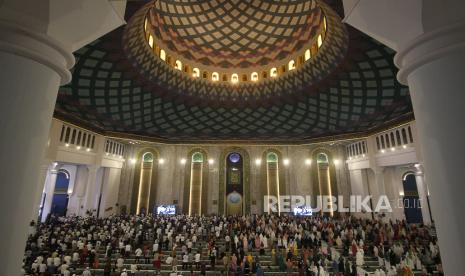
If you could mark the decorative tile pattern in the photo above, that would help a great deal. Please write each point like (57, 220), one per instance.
(111, 93)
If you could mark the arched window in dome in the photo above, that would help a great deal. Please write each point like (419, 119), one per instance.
(320, 41)
(234, 78)
(162, 54)
(254, 76)
(291, 65)
(178, 65)
(145, 24)
(215, 76)
(273, 72)
(151, 41)
(308, 55)
(196, 184)
(324, 23)
(195, 72)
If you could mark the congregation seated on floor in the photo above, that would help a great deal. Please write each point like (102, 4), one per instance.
(230, 245)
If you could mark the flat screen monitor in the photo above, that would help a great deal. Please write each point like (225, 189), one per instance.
(166, 210)
(303, 211)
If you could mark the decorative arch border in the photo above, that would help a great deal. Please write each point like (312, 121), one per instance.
(281, 170)
(222, 181)
(187, 177)
(314, 170)
(65, 172)
(136, 180)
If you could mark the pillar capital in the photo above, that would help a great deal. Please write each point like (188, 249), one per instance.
(435, 44)
(48, 31)
(43, 49)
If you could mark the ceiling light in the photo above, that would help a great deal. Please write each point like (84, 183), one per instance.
(393, 149)
(258, 161)
(211, 161)
(183, 161)
(383, 151)
(161, 161)
(286, 162)
(133, 161)
(308, 162)
(78, 147)
(404, 146)
(336, 161)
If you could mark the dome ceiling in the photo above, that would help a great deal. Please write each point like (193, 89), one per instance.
(120, 88)
(234, 33)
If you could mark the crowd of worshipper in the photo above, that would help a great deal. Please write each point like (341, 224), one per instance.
(229, 245)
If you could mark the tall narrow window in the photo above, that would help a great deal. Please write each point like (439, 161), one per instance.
(320, 41)
(291, 65)
(162, 54)
(308, 55)
(215, 76)
(272, 176)
(324, 178)
(234, 78)
(273, 72)
(254, 76)
(143, 199)
(151, 41)
(195, 72)
(195, 191)
(178, 65)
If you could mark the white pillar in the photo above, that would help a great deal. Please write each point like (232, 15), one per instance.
(28, 90)
(49, 191)
(433, 65)
(423, 195)
(38, 190)
(36, 43)
(92, 190)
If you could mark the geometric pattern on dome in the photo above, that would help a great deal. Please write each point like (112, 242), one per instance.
(235, 33)
(163, 77)
(107, 94)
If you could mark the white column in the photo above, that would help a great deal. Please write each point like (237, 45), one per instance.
(92, 188)
(433, 65)
(38, 190)
(49, 190)
(36, 43)
(423, 195)
(28, 92)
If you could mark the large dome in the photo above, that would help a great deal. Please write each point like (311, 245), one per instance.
(235, 33)
(123, 87)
